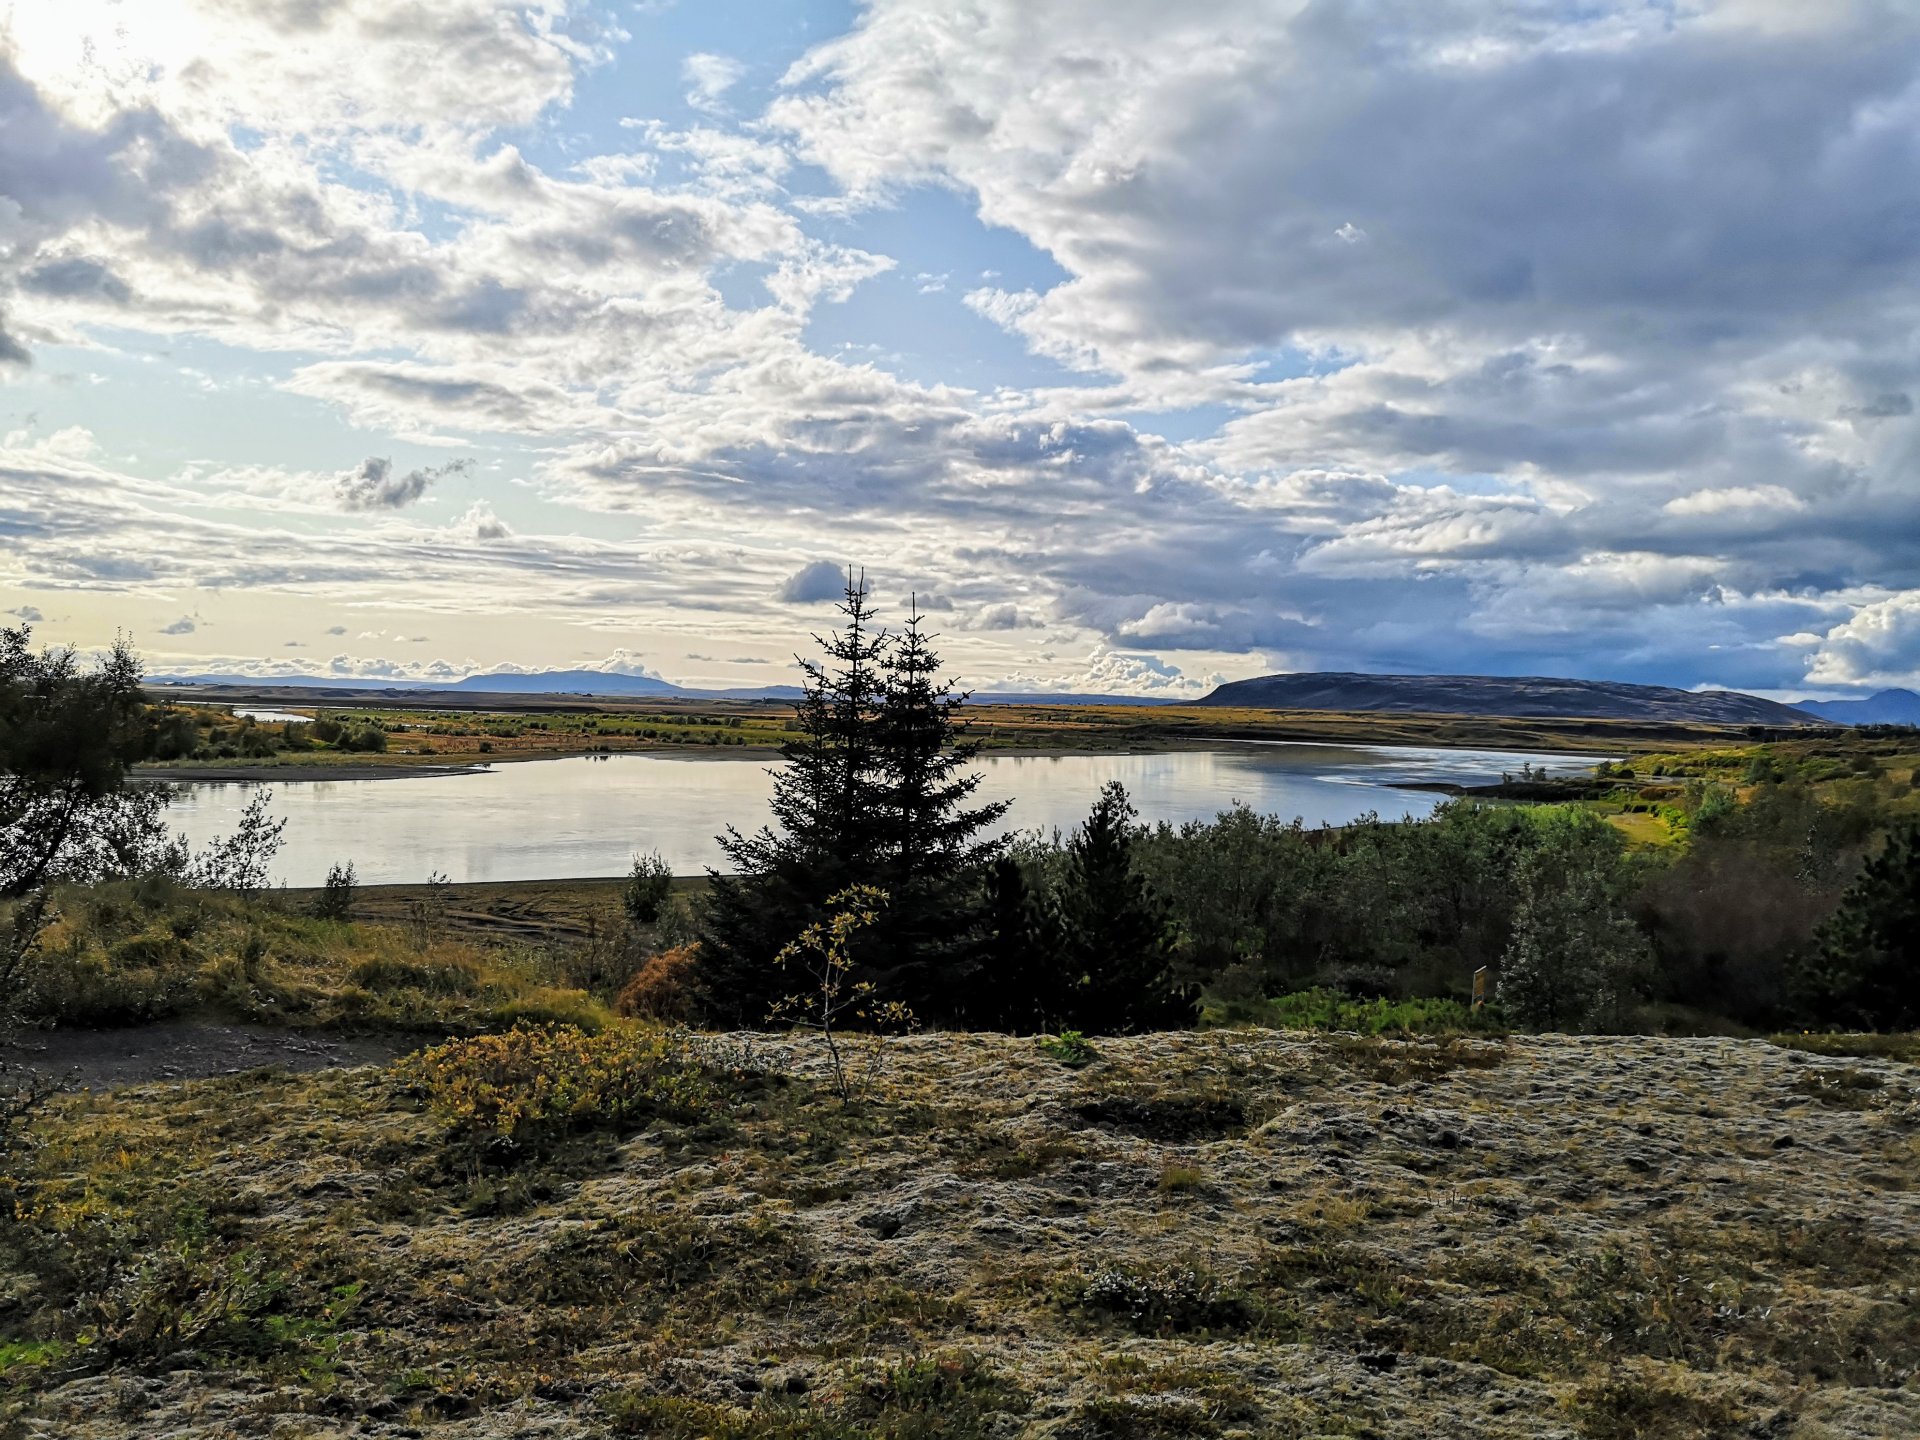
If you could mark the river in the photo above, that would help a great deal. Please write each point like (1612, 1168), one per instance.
(555, 819)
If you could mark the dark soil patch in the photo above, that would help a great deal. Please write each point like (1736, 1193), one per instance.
(190, 1050)
(1175, 1119)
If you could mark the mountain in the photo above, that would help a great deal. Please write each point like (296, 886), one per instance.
(1044, 697)
(565, 682)
(544, 682)
(1887, 707)
(1519, 697)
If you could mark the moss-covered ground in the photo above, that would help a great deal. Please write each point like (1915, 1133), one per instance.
(1210, 1234)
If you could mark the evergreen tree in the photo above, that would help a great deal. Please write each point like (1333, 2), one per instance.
(1019, 986)
(827, 803)
(929, 938)
(875, 793)
(1113, 934)
(1868, 971)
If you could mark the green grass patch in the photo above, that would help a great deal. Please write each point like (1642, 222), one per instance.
(1903, 1046)
(1331, 1011)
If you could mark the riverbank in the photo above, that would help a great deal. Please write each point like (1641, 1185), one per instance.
(1217, 1235)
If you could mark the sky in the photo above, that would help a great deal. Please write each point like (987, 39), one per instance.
(1146, 345)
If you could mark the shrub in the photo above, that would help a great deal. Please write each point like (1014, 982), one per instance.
(335, 900)
(1575, 957)
(1173, 1300)
(662, 989)
(1868, 971)
(143, 978)
(434, 977)
(529, 1087)
(1071, 1049)
(649, 883)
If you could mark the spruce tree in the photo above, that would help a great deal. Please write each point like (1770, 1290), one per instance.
(875, 793)
(827, 804)
(1021, 984)
(1114, 935)
(931, 934)
(1868, 972)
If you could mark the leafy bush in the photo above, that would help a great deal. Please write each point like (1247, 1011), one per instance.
(647, 887)
(367, 738)
(662, 989)
(1071, 1049)
(530, 1087)
(1575, 957)
(335, 900)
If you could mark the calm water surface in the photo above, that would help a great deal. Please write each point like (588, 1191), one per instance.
(553, 819)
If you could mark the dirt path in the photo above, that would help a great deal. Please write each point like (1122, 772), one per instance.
(190, 1050)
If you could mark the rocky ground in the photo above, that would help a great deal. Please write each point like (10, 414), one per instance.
(1228, 1233)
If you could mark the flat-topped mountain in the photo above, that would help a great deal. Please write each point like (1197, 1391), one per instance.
(1887, 707)
(1519, 696)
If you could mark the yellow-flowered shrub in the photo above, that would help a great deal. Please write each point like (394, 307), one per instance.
(530, 1086)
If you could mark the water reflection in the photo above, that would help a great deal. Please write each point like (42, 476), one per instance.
(552, 819)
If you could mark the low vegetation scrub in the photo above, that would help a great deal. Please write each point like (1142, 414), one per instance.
(1170, 1300)
(132, 952)
(1330, 1010)
(936, 1397)
(1883, 1047)
(1071, 1049)
(529, 1087)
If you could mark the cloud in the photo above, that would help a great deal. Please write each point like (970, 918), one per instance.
(481, 524)
(336, 630)
(709, 78)
(29, 613)
(375, 486)
(183, 626)
(620, 662)
(1004, 616)
(1115, 672)
(1447, 401)
(1879, 645)
(814, 582)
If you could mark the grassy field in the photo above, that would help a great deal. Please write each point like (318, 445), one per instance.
(415, 958)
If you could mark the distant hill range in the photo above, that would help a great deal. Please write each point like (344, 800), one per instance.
(1518, 697)
(1888, 707)
(586, 682)
(544, 682)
